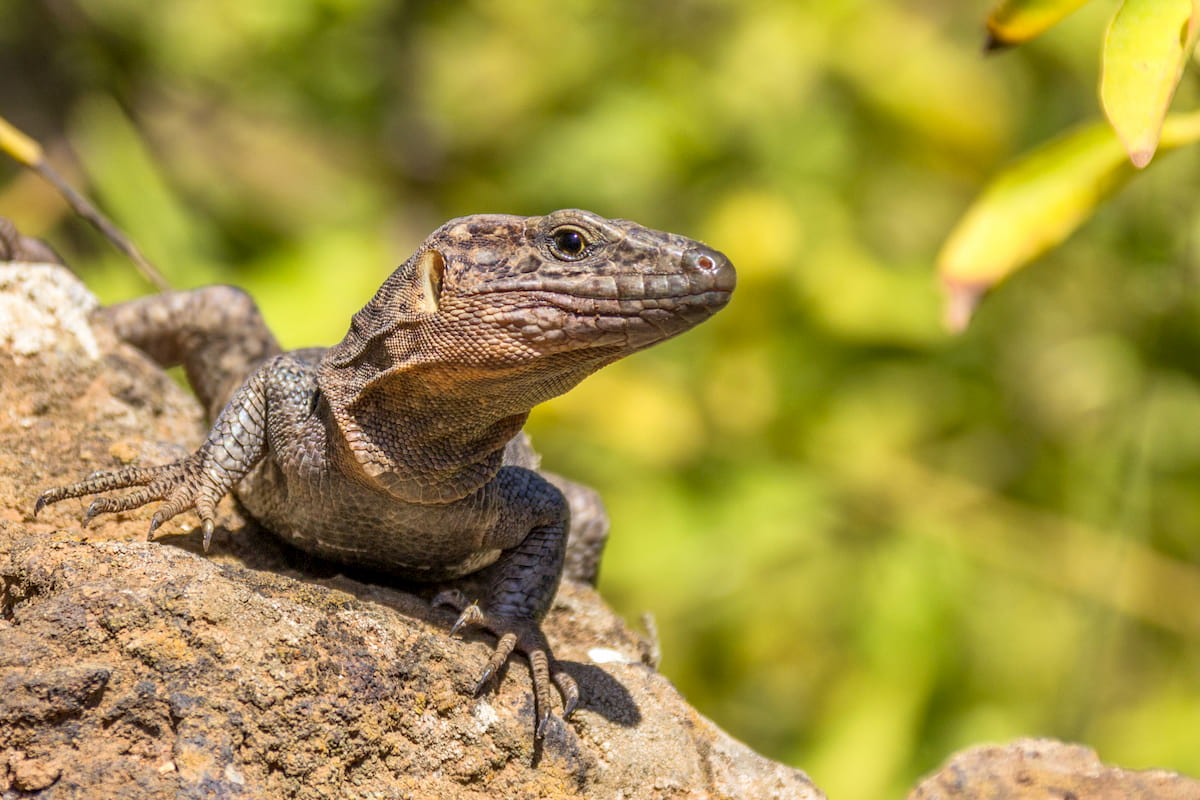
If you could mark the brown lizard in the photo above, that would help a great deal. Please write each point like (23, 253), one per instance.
(401, 448)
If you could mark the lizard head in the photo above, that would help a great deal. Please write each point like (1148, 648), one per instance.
(504, 292)
(574, 282)
(494, 314)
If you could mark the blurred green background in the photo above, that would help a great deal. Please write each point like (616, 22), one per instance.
(867, 543)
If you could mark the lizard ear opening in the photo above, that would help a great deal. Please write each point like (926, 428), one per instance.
(409, 294)
(430, 268)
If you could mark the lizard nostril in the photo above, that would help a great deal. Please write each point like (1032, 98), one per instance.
(704, 260)
(711, 266)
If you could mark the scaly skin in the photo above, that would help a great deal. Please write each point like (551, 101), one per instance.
(400, 448)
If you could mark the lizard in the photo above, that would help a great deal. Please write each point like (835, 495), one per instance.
(16, 247)
(401, 448)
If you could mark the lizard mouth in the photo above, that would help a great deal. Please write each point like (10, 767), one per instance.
(554, 321)
(586, 305)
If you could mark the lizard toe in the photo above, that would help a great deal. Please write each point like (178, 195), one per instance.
(517, 634)
(176, 484)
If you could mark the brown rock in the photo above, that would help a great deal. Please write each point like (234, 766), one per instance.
(140, 669)
(1044, 769)
(32, 775)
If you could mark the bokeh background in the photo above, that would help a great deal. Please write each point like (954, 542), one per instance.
(867, 542)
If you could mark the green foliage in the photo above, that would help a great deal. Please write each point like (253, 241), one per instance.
(1148, 44)
(1015, 21)
(1039, 201)
(867, 543)
(1035, 203)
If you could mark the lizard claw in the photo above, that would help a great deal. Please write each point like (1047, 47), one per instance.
(569, 691)
(484, 679)
(517, 634)
(470, 614)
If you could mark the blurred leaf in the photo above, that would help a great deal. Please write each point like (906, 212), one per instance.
(1147, 46)
(17, 145)
(1036, 203)
(1015, 21)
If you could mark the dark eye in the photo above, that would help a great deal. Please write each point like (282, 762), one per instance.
(570, 243)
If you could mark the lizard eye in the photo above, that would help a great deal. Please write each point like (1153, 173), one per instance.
(569, 243)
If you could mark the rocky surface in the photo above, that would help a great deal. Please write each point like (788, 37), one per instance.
(1044, 769)
(140, 669)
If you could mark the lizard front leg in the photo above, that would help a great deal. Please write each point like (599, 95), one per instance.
(521, 587)
(236, 442)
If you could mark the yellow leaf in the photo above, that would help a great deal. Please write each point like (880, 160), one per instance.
(1034, 204)
(1147, 46)
(19, 146)
(1015, 21)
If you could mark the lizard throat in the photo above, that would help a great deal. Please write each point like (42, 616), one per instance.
(420, 443)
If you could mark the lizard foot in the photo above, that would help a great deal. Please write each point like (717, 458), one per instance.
(516, 634)
(179, 485)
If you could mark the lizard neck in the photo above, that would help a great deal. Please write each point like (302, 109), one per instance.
(423, 435)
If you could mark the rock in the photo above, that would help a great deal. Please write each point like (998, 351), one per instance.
(140, 669)
(29, 775)
(1044, 769)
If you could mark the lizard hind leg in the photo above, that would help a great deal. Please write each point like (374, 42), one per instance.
(216, 333)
